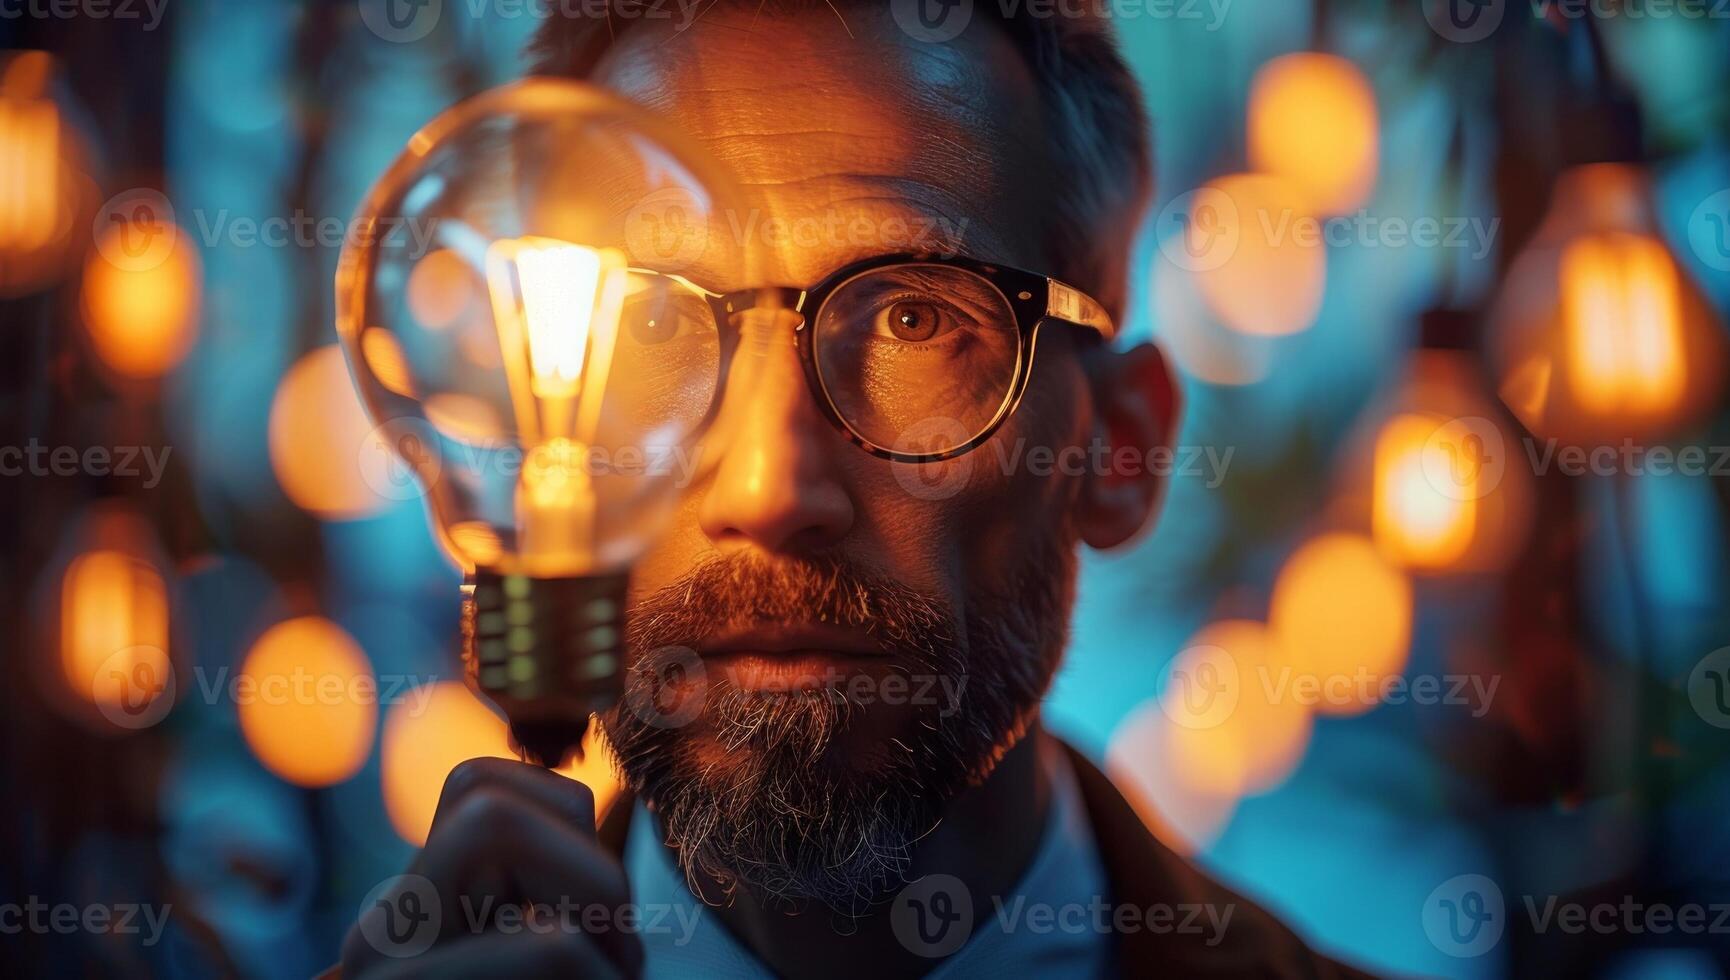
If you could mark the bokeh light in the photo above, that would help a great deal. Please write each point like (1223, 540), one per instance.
(429, 735)
(1416, 521)
(1185, 817)
(1600, 334)
(114, 627)
(1240, 726)
(1622, 323)
(318, 431)
(308, 702)
(443, 290)
(30, 177)
(39, 182)
(142, 317)
(1343, 615)
(1312, 121)
(1271, 282)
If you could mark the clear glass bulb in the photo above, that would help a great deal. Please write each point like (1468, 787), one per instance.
(505, 332)
(489, 310)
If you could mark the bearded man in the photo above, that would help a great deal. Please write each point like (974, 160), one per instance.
(832, 743)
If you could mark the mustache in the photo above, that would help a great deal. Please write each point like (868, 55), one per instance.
(726, 592)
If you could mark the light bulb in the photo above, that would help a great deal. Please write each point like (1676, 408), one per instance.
(515, 321)
(1600, 334)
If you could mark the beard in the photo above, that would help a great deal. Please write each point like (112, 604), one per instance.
(802, 796)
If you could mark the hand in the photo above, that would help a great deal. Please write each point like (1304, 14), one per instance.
(512, 847)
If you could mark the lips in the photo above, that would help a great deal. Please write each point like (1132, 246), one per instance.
(789, 657)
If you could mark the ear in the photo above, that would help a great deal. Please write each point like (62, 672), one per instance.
(1135, 416)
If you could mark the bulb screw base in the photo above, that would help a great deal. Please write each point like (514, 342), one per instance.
(549, 652)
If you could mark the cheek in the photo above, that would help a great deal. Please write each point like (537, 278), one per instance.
(677, 550)
(976, 518)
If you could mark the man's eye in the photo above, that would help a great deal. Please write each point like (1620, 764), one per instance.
(914, 321)
(655, 329)
(650, 322)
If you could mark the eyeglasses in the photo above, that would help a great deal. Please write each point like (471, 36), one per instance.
(914, 358)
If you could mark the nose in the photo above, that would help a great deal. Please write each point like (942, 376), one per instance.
(777, 485)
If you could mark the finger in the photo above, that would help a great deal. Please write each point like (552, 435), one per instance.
(565, 797)
(495, 954)
(497, 846)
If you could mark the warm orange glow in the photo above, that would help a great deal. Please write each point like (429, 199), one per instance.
(385, 358)
(556, 309)
(1233, 749)
(1600, 335)
(1184, 817)
(423, 742)
(1271, 282)
(112, 602)
(142, 319)
(1312, 120)
(548, 297)
(308, 702)
(1189, 333)
(1343, 616)
(30, 176)
(442, 290)
(1622, 319)
(318, 431)
(476, 543)
(1526, 390)
(1416, 521)
(466, 418)
(42, 185)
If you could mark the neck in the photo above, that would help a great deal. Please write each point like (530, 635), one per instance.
(987, 839)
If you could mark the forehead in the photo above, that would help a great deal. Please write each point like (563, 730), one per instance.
(849, 138)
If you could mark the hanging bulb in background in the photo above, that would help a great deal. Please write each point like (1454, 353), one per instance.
(1600, 334)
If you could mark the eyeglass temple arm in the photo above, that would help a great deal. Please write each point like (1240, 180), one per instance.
(1065, 302)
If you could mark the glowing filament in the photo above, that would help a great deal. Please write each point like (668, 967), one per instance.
(556, 306)
(1622, 317)
(1416, 520)
(557, 310)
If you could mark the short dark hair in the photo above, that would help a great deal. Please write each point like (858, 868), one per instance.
(1090, 100)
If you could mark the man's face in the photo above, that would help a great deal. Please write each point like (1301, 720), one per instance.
(864, 639)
